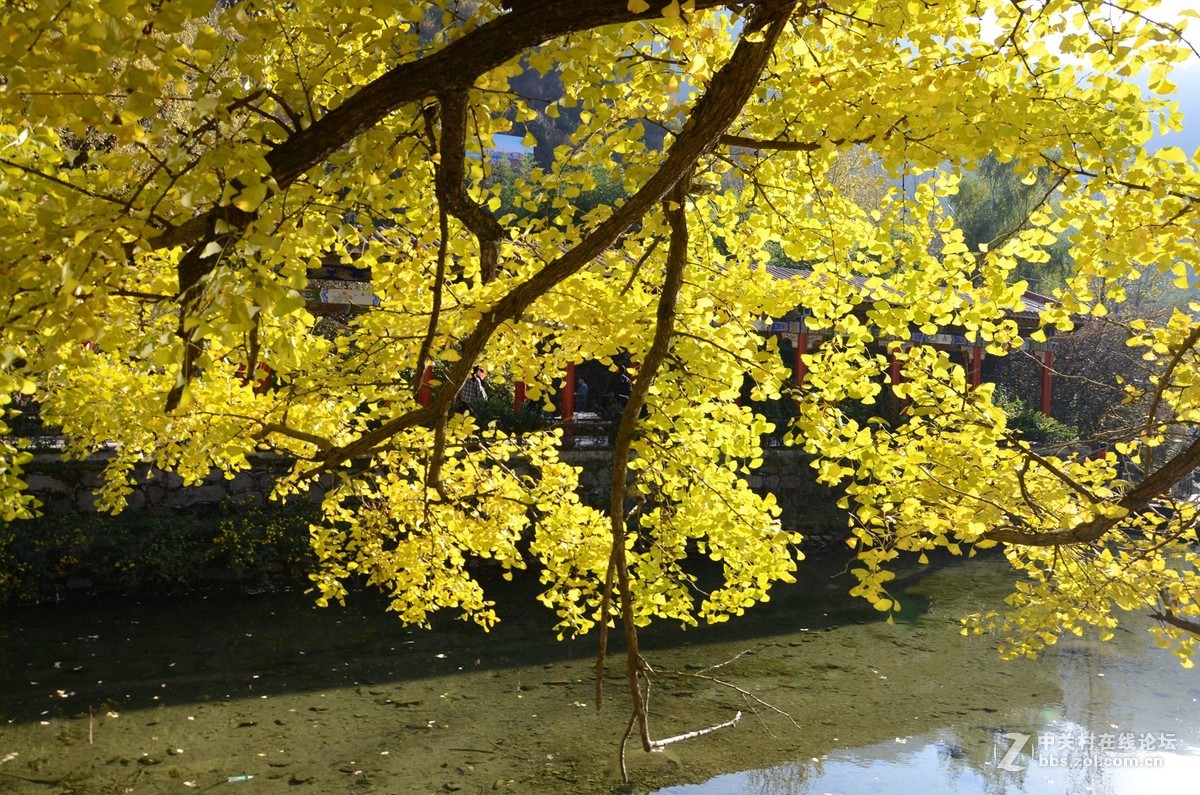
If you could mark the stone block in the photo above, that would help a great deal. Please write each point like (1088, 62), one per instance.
(45, 484)
(195, 496)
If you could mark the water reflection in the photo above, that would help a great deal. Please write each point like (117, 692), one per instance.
(187, 692)
(1124, 718)
(929, 765)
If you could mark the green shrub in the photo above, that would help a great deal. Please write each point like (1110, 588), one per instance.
(155, 551)
(498, 408)
(265, 539)
(1032, 425)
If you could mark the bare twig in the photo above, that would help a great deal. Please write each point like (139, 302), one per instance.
(658, 745)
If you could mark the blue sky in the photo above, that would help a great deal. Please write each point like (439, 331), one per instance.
(1187, 78)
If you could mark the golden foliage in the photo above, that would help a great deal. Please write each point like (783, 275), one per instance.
(168, 175)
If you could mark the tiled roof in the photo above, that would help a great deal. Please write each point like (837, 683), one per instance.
(1034, 303)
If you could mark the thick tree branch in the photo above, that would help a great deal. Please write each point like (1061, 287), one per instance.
(774, 145)
(200, 261)
(454, 67)
(1168, 616)
(269, 428)
(1135, 500)
(783, 145)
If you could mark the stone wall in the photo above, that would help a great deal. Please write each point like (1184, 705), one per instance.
(807, 505)
(65, 486)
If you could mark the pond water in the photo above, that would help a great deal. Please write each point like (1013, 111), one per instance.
(186, 693)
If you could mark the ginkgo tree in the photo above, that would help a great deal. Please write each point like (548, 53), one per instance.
(170, 172)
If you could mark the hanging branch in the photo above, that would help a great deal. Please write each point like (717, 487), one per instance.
(647, 371)
(637, 671)
(430, 114)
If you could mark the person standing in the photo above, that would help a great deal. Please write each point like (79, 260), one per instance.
(472, 391)
(623, 388)
(581, 395)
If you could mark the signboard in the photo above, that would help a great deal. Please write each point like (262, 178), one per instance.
(352, 296)
(336, 292)
(939, 339)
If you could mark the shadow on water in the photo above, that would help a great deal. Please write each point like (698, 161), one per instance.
(138, 653)
(186, 692)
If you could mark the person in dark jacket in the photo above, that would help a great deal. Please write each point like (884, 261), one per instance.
(472, 391)
(581, 394)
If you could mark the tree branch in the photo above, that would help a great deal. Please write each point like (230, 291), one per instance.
(1135, 500)
(456, 66)
(658, 745)
(193, 267)
(269, 428)
(1167, 616)
(728, 92)
(776, 145)
(1184, 346)
(439, 276)
(451, 186)
(663, 332)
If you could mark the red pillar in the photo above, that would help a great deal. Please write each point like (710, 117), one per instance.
(262, 379)
(801, 349)
(425, 393)
(894, 372)
(568, 394)
(1047, 361)
(976, 365)
(518, 395)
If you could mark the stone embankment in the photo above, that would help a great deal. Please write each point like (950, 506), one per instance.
(68, 486)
